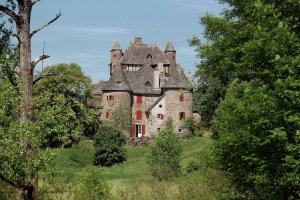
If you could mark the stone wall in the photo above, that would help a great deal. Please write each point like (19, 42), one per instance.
(155, 123)
(174, 106)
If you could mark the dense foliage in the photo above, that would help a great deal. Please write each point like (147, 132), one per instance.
(254, 50)
(108, 144)
(64, 97)
(164, 156)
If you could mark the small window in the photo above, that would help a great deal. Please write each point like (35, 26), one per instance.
(160, 116)
(139, 115)
(160, 106)
(181, 115)
(179, 130)
(110, 98)
(158, 129)
(107, 115)
(149, 57)
(181, 98)
(147, 84)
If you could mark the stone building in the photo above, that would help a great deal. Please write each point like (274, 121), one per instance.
(148, 82)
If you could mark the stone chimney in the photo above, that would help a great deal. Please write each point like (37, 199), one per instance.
(156, 80)
(138, 40)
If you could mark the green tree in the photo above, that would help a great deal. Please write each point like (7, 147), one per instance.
(257, 44)
(28, 144)
(108, 143)
(164, 156)
(91, 185)
(122, 119)
(63, 97)
(190, 124)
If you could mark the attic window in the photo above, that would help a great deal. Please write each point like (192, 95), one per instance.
(147, 84)
(149, 56)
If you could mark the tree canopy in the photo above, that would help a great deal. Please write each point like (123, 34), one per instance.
(249, 73)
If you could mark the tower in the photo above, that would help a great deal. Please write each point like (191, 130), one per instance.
(115, 56)
(171, 56)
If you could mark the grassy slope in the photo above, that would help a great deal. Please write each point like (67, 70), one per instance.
(132, 179)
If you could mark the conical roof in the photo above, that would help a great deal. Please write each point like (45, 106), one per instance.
(117, 81)
(170, 47)
(116, 47)
(177, 79)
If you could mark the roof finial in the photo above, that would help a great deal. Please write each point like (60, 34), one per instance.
(116, 47)
(170, 47)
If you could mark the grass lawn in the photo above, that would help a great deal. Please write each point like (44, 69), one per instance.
(132, 179)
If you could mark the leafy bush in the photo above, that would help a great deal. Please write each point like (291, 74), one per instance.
(164, 157)
(108, 145)
(91, 185)
(193, 166)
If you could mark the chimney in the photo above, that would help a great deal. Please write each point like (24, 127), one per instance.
(156, 80)
(138, 40)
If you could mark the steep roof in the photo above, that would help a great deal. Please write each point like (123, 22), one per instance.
(155, 103)
(142, 81)
(177, 79)
(97, 88)
(170, 47)
(117, 81)
(116, 47)
(140, 54)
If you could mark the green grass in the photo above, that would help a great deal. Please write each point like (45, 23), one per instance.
(132, 179)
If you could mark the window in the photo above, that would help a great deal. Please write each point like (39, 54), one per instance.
(139, 99)
(147, 84)
(181, 115)
(181, 98)
(179, 130)
(158, 129)
(110, 98)
(160, 116)
(107, 115)
(139, 115)
(160, 106)
(138, 130)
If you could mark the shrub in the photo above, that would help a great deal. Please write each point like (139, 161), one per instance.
(192, 166)
(164, 157)
(91, 185)
(108, 145)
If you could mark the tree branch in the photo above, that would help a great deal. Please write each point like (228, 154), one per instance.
(45, 25)
(34, 2)
(9, 12)
(47, 74)
(37, 60)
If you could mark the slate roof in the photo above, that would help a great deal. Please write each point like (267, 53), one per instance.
(170, 47)
(97, 88)
(136, 54)
(138, 79)
(117, 81)
(155, 103)
(116, 47)
(177, 79)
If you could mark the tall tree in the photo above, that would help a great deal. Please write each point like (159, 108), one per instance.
(22, 19)
(253, 49)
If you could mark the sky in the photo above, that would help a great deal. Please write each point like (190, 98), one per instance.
(87, 30)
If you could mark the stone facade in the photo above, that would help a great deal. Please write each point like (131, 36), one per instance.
(150, 83)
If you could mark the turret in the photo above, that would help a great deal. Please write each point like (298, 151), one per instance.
(171, 56)
(115, 56)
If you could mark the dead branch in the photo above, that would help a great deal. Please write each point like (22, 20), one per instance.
(9, 12)
(34, 2)
(45, 25)
(37, 60)
(44, 75)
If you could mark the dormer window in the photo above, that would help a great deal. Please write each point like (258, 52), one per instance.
(147, 84)
(149, 57)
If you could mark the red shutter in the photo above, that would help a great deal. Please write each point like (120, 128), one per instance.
(138, 115)
(113, 98)
(161, 116)
(133, 131)
(139, 99)
(181, 98)
(143, 130)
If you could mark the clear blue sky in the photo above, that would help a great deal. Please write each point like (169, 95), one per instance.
(87, 29)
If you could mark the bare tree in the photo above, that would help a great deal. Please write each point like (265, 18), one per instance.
(22, 17)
